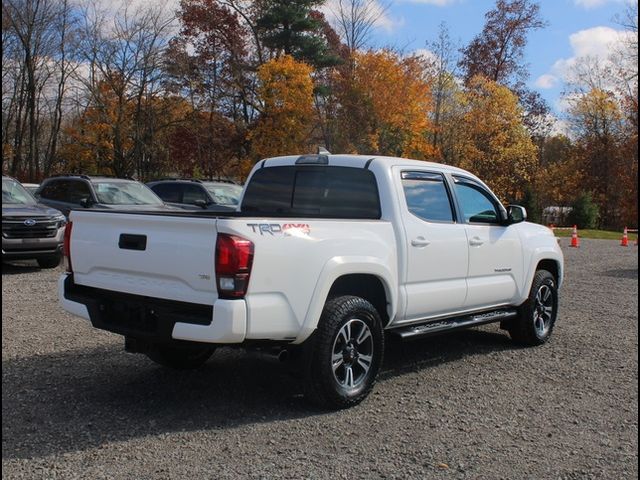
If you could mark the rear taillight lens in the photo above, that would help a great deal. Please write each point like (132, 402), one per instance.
(234, 257)
(66, 247)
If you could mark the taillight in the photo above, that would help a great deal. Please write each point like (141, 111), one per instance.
(234, 257)
(66, 247)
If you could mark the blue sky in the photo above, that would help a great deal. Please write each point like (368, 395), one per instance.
(576, 27)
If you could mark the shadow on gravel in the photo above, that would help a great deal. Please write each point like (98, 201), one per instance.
(73, 401)
(622, 273)
(17, 268)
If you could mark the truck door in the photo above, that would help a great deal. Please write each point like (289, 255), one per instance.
(437, 253)
(495, 258)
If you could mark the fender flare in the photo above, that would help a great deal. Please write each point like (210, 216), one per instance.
(337, 267)
(539, 254)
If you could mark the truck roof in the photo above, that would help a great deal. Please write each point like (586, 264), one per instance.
(362, 161)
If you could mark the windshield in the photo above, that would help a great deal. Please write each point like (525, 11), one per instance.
(125, 193)
(14, 194)
(224, 194)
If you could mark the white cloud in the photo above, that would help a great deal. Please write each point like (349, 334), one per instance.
(426, 54)
(591, 48)
(594, 42)
(546, 81)
(589, 4)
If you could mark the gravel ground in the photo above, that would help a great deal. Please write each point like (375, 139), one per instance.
(465, 405)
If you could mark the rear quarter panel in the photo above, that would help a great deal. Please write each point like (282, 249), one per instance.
(297, 260)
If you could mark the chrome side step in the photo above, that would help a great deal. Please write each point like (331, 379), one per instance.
(448, 324)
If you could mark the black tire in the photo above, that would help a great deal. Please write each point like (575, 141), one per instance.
(179, 357)
(537, 316)
(51, 261)
(341, 371)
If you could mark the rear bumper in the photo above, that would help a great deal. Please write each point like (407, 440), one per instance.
(154, 319)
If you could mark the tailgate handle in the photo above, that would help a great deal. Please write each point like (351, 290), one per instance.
(129, 241)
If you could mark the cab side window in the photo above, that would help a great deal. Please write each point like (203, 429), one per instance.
(477, 204)
(193, 193)
(55, 190)
(168, 192)
(78, 191)
(427, 196)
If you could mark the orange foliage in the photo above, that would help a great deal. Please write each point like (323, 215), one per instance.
(496, 145)
(386, 102)
(286, 91)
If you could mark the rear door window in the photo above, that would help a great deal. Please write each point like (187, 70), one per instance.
(427, 196)
(328, 192)
(169, 192)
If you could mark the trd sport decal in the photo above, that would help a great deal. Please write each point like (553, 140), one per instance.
(278, 229)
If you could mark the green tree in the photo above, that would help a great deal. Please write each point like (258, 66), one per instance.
(584, 212)
(292, 27)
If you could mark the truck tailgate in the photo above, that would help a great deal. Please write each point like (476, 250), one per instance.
(152, 255)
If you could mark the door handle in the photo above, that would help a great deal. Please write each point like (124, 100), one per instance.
(420, 242)
(475, 242)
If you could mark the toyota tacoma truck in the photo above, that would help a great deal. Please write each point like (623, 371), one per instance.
(325, 256)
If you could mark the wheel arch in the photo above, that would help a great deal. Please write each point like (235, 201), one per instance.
(366, 286)
(352, 276)
(551, 266)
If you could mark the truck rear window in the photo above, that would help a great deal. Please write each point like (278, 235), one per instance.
(308, 191)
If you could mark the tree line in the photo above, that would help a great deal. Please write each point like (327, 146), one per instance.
(210, 89)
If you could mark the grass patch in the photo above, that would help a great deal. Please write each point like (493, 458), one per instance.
(599, 234)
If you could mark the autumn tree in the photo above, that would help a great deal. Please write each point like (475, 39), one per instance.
(497, 146)
(560, 174)
(597, 123)
(211, 64)
(286, 93)
(497, 53)
(124, 58)
(384, 106)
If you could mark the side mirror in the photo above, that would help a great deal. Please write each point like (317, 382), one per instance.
(516, 214)
(86, 202)
(200, 203)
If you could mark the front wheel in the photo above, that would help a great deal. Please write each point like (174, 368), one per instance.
(537, 316)
(346, 353)
(178, 357)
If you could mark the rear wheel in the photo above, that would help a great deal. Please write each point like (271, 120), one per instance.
(51, 261)
(537, 316)
(179, 357)
(346, 353)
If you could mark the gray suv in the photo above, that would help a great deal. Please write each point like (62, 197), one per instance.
(30, 230)
(74, 192)
(198, 194)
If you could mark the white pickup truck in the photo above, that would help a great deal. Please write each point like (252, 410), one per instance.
(326, 255)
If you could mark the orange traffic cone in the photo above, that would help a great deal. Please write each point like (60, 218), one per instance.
(625, 239)
(575, 241)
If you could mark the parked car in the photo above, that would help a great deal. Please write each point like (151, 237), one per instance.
(198, 194)
(29, 230)
(327, 256)
(68, 192)
(32, 188)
